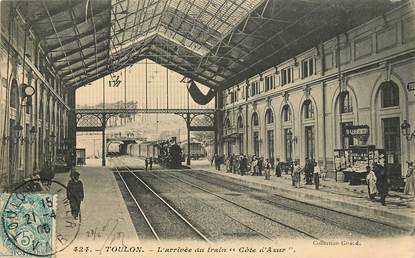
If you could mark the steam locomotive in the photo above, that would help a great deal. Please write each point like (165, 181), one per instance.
(167, 152)
(170, 153)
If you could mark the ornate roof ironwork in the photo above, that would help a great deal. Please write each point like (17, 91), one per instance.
(215, 42)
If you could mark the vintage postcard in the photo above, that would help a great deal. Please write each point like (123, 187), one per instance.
(207, 128)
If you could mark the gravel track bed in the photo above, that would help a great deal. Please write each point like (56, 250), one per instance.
(164, 221)
(226, 222)
(311, 225)
(353, 223)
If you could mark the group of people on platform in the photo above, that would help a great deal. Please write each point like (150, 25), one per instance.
(377, 179)
(312, 173)
(258, 166)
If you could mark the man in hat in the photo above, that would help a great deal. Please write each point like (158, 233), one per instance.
(382, 180)
(278, 168)
(146, 163)
(308, 170)
(150, 162)
(75, 193)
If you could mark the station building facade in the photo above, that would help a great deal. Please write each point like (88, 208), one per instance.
(300, 108)
(33, 130)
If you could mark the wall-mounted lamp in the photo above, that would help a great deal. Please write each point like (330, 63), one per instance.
(406, 130)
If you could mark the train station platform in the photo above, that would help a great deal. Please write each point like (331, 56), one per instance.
(105, 218)
(339, 196)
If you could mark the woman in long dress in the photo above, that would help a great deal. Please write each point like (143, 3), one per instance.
(296, 174)
(410, 180)
(371, 183)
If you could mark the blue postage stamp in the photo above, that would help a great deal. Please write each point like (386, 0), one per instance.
(28, 223)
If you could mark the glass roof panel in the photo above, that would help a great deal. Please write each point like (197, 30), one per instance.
(194, 24)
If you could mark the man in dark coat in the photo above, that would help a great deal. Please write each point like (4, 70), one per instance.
(260, 166)
(217, 162)
(244, 165)
(278, 168)
(308, 170)
(75, 193)
(150, 162)
(146, 163)
(382, 182)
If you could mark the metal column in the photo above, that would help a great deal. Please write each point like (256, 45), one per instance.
(188, 138)
(103, 140)
(104, 122)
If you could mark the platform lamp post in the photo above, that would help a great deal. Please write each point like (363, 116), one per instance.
(406, 130)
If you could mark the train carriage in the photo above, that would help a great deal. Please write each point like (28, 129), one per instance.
(197, 150)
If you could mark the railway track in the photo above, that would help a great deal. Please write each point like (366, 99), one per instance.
(260, 234)
(335, 218)
(286, 205)
(147, 201)
(258, 214)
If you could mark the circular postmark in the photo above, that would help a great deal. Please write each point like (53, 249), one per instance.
(39, 223)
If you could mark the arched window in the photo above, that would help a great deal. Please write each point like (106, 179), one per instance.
(346, 104)
(240, 122)
(255, 120)
(308, 109)
(389, 94)
(286, 113)
(14, 95)
(269, 116)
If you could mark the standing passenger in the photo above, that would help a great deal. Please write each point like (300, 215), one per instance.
(235, 164)
(260, 166)
(254, 166)
(146, 163)
(382, 182)
(150, 162)
(217, 162)
(75, 193)
(316, 174)
(410, 180)
(296, 174)
(371, 183)
(267, 171)
(308, 170)
(244, 165)
(278, 168)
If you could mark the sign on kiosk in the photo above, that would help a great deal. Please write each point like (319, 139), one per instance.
(357, 130)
